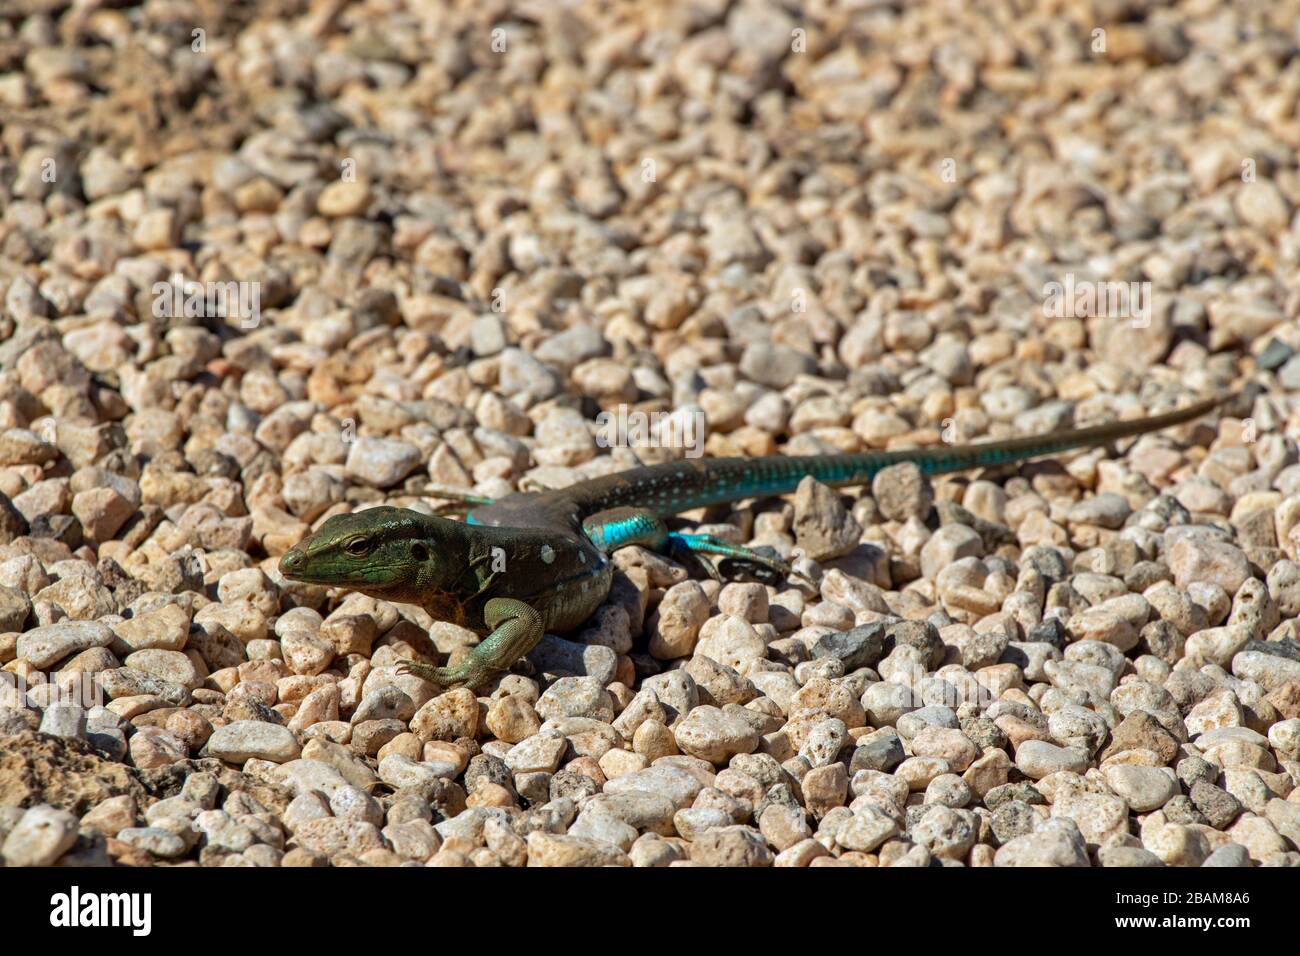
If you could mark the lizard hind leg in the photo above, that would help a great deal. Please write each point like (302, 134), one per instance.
(620, 527)
(516, 629)
(767, 568)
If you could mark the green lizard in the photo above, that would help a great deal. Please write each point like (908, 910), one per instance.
(534, 562)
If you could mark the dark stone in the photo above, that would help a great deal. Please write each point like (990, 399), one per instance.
(218, 646)
(1011, 819)
(250, 708)
(1181, 809)
(12, 523)
(1191, 770)
(1170, 509)
(535, 788)
(1047, 561)
(1022, 792)
(374, 307)
(485, 768)
(1161, 639)
(64, 528)
(1048, 631)
(1285, 647)
(862, 646)
(781, 795)
(919, 634)
(645, 665)
(445, 798)
(208, 461)
(1219, 806)
(370, 735)
(984, 733)
(1276, 354)
(14, 608)
(881, 750)
(1139, 730)
(914, 814)
(568, 783)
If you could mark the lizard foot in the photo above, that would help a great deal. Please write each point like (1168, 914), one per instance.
(763, 565)
(423, 671)
(516, 629)
(466, 673)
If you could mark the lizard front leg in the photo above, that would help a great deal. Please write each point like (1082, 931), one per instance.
(516, 630)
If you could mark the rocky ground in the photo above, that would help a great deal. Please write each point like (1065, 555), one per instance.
(463, 230)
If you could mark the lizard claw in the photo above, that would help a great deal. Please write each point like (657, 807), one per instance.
(709, 567)
(422, 671)
(803, 579)
(471, 673)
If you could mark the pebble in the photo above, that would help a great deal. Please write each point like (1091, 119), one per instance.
(539, 753)
(823, 527)
(156, 841)
(64, 720)
(381, 462)
(42, 647)
(595, 823)
(545, 849)
(855, 648)
(251, 739)
(731, 846)
(40, 837)
(1038, 758)
(341, 199)
(902, 492)
(1218, 806)
(1057, 843)
(714, 735)
(677, 786)
(1143, 788)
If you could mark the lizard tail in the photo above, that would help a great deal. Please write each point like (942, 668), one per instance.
(678, 486)
(936, 461)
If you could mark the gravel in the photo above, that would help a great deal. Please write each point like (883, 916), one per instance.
(388, 260)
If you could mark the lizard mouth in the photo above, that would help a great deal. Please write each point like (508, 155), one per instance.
(292, 563)
(296, 565)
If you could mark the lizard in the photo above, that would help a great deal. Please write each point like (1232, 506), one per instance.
(535, 562)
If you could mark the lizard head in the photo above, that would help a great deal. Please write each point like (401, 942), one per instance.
(384, 552)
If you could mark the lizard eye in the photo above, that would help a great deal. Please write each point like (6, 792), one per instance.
(419, 552)
(357, 547)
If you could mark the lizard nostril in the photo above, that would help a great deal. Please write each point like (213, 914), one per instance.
(290, 560)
